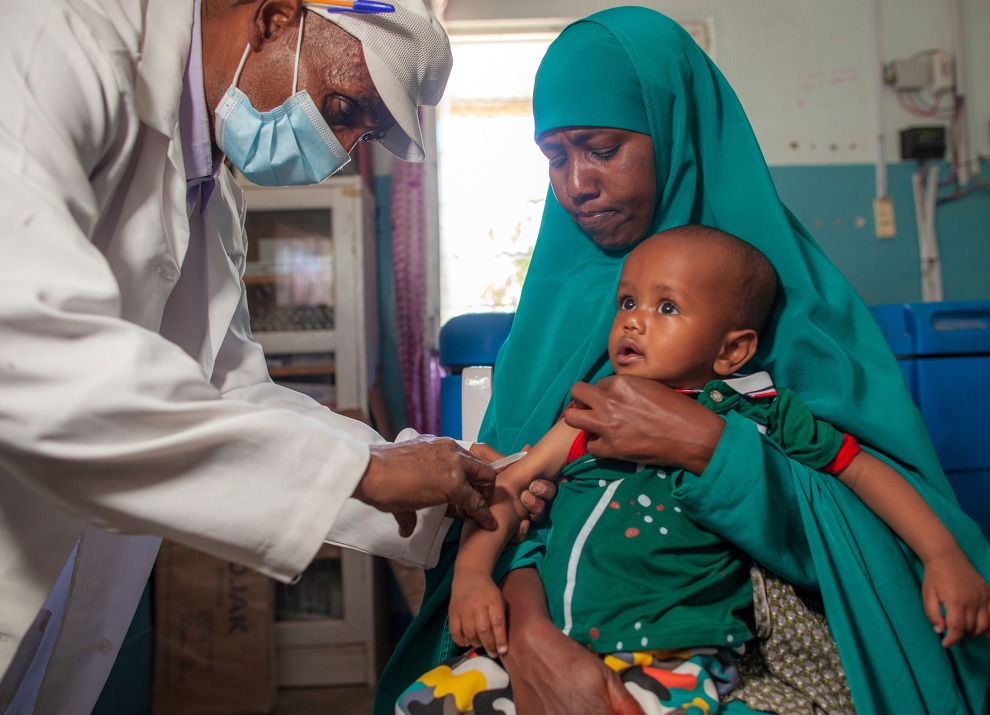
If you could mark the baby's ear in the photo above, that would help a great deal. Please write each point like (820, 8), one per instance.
(737, 349)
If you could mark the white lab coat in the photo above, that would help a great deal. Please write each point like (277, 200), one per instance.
(132, 398)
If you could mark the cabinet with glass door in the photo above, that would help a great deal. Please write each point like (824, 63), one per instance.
(311, 286)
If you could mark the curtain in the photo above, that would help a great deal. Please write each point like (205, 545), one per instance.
(418, 363)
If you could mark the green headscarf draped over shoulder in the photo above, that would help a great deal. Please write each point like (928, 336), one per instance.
(632, 68)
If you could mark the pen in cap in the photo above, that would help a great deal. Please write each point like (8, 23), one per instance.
(360, 6)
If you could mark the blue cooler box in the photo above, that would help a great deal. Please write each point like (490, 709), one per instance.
(944, 352)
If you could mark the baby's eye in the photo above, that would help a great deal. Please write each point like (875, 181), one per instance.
(627, 303)
(667, 308)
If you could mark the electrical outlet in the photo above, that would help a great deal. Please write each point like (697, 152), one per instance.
(883, 217)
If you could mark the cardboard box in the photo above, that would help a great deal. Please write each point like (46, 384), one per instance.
(214, 636)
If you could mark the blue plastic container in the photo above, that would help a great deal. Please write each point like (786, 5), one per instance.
(944, 352)
(470, 340)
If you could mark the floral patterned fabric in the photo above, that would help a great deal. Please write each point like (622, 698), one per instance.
(795, 669)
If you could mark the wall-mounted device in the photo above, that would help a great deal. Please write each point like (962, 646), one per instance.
(934, 70)
(923, 143)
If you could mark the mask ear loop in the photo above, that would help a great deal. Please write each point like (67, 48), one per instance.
(295, 72)
(240, 67)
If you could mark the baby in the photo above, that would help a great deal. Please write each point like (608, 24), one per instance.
(626, 572)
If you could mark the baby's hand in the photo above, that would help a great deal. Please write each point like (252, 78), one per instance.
(477, 613)
(952, 582)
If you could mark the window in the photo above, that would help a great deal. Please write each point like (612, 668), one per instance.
(492, 178)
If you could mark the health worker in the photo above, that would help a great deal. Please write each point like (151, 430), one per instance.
(134, 403)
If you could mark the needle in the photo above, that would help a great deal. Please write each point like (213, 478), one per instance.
(506, 461)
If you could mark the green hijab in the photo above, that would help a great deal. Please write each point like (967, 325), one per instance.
(632, 68)
(641, 71)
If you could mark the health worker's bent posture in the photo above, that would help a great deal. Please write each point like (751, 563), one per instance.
(133, 399)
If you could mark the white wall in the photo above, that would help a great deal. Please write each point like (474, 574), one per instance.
(804, 69)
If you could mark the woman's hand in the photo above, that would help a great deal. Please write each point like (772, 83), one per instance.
(640, 420)
(538, 650)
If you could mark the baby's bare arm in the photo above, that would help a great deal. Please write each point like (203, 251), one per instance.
(477, 612)
(950, 579)
(902, 508)
(480, 549)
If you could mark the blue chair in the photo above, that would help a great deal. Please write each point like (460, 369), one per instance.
(469, 345)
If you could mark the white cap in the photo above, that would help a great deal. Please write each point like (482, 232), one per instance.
(409, 59)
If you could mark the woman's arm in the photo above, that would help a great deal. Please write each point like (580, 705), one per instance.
(950, 578)
(734, 476)
(538, 650)
(477, 611)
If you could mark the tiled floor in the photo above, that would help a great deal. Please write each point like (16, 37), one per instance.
(325, 701)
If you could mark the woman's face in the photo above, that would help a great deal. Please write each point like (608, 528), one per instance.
(605, 179)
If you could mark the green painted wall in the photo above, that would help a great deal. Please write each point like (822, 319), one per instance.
(835, 203)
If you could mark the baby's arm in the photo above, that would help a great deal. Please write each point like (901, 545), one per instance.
(950, 578)
(477, 610)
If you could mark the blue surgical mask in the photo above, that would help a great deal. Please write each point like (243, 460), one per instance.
(291, 145)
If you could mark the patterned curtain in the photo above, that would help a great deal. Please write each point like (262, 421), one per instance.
(418, 363)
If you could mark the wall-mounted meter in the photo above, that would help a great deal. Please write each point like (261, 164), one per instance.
(923, 143)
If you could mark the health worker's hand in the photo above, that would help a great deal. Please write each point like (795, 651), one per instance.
(641, 420)
(535, 499)
(427, 471)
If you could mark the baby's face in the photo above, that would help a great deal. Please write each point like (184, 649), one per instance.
(670, 324)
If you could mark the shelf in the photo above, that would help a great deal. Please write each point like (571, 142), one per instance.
(328, 551)
(260, 278)
(302, 370)
(322, 664)
(296, 341)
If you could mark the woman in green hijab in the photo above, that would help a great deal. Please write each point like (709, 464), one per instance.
(606, 85)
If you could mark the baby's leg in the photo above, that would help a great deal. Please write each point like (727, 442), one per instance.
(683, 682)
(471, 684)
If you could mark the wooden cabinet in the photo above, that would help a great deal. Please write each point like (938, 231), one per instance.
(328, 628)
(312, 292)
